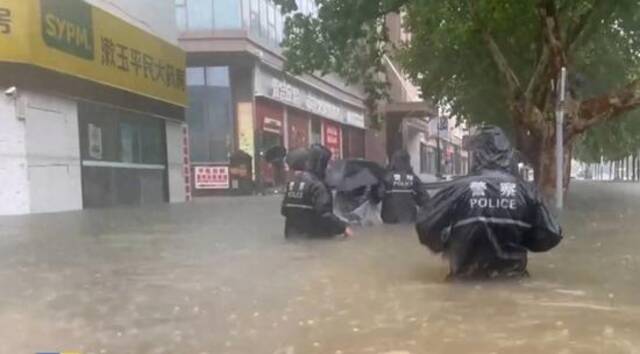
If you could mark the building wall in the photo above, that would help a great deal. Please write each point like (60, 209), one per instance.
(14, 189)
(155, 16)
(413, 138)
(375, 149)
(39, 154)
(53, 153)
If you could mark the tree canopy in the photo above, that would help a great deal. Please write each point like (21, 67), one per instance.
(491, 61)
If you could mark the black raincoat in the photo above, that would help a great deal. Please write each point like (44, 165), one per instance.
(486, 222)
(401, 191)
(308, 203)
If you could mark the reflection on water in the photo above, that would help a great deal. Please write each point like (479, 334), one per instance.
(217, 277)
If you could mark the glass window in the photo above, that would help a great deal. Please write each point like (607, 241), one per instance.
(218, 76)
(195, 77)
(227, 14)
(246, 13)
(316, 131)
(181, 15)
(210, 114)
(263, 18)
(129, 143)
(200, 14)
(279, 26)
(254, 22)
(271, 22)
(427, 159)
(98, 132)
(152, 148)
(116, 135)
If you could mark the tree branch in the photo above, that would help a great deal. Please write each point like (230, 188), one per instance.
(608, 107)
(509, 76)
(551, 29)
(503, 65)
(539, 73)
(575, 29)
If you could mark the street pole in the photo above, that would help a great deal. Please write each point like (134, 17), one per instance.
(561, 87)
(439, 153)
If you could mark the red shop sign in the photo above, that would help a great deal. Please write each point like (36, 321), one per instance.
(333, 139)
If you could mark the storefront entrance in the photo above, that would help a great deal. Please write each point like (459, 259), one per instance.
(123, 157)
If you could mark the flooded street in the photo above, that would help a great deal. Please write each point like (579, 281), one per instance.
(217, 277)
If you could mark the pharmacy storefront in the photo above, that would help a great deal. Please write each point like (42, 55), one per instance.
(92, 113)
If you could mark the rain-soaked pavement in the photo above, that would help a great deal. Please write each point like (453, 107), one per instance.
(217, 277)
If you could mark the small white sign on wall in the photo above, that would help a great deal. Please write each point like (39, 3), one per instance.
(95, 142)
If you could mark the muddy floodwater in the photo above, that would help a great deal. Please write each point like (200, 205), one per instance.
(217, 277)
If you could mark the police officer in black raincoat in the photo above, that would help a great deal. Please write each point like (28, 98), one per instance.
(401, 191)
(308, 203)
(486, 222)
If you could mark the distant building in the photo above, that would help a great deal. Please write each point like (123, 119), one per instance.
(418, 126)
(241, 101)
(93, 107)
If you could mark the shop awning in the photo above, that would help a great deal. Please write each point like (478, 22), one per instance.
(401, 110)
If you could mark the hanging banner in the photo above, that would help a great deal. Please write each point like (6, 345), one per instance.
(74, 38)
(212, 177)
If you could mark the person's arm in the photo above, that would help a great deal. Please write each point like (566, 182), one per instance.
(377, 193)
(323, 206)
(545, 232)
(436, 219)
(420, 193)
(284, 201)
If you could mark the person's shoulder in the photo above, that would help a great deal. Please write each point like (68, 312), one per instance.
(312, 180)
(465, 180)
(304, 176)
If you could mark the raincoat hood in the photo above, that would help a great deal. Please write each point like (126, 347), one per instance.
(317, 160)
(491, 150)
(297, 159)
(401, 162)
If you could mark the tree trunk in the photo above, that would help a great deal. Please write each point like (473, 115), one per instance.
(601, 170)
(545, 169)
(619, 171)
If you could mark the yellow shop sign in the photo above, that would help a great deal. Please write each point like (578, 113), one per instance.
(77, 39)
